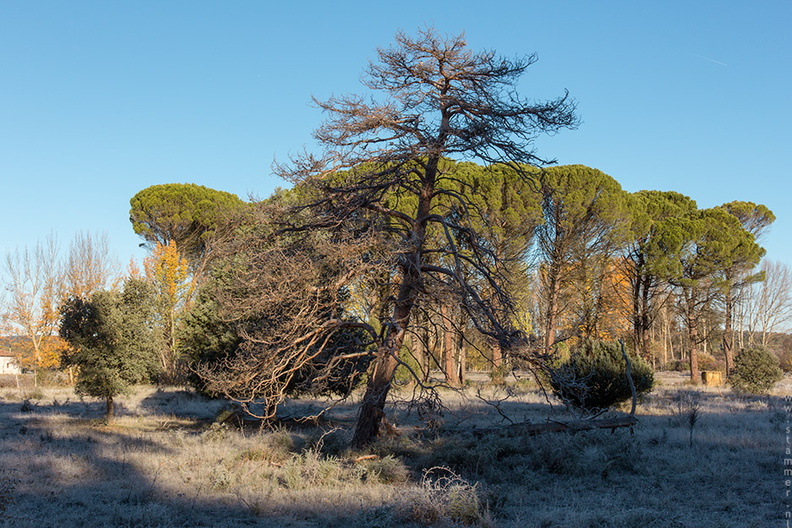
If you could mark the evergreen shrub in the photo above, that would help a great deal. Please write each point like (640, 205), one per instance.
(594, 378)
(756, 370)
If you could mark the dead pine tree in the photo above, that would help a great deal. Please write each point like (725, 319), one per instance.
(387, 158)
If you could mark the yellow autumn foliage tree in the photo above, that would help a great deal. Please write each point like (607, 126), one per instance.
(30, 311)
(169, 272)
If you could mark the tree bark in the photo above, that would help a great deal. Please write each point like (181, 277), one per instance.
(450, 363)
(728, 333)
(692, 324)
(552, 308)
(459, 344)
(497, 362)
(109, 409)
(372, 408)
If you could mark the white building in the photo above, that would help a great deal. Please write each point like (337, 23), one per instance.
(8, 365)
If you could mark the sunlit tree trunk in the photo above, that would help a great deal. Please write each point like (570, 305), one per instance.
(372, 408)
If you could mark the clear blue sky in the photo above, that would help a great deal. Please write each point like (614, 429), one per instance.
(99, 100)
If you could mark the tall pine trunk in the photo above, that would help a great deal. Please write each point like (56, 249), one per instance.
(693, 335)
(372, 408)
(450, 363)
(552, 309)
(728, 332)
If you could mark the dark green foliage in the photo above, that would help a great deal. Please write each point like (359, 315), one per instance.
(586, 221)
(756, 370)
(112, 340)
(186, 213)
(594, 377)
(204, 336)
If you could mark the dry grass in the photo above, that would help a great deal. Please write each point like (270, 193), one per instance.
(162, 464)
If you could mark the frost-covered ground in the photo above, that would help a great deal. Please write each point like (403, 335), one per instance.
(163, 463)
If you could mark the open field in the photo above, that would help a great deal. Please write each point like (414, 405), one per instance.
(163, 464)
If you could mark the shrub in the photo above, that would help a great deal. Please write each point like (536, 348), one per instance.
(708, 362)
(677, 365)
(756, 370)
(594, 377)
(785, 358)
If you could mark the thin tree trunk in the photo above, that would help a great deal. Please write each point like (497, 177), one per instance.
(450, 365)
(416, 349)
(497, 362)
(109, 409)
(728, 333)
(428, 355)
(461, 358)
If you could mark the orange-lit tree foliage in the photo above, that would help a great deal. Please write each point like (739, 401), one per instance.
(33, 291)
(169, 273)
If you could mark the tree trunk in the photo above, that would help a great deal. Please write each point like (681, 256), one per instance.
(461, 359)
(109, 409)
(535, 429)
(644, 322)
(450, 366)
(552, 306)
(692, 324)
(460, 354)
(497, 362)
(372, 408)
(417, 351)
(428, 355)
(728, 333)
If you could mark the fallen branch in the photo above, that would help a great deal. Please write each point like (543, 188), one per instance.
(367, 457)
(534, 429)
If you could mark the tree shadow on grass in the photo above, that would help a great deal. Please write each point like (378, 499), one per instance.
(70, 472)
(75, 472)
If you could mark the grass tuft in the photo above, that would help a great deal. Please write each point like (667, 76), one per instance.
(444, 495)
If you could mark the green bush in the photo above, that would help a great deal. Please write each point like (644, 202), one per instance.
(594, 377)
(677, 365)
(756, 370)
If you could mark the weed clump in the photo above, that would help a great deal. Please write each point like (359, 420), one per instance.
(756, 370)
(444, 495)
(385, 470)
